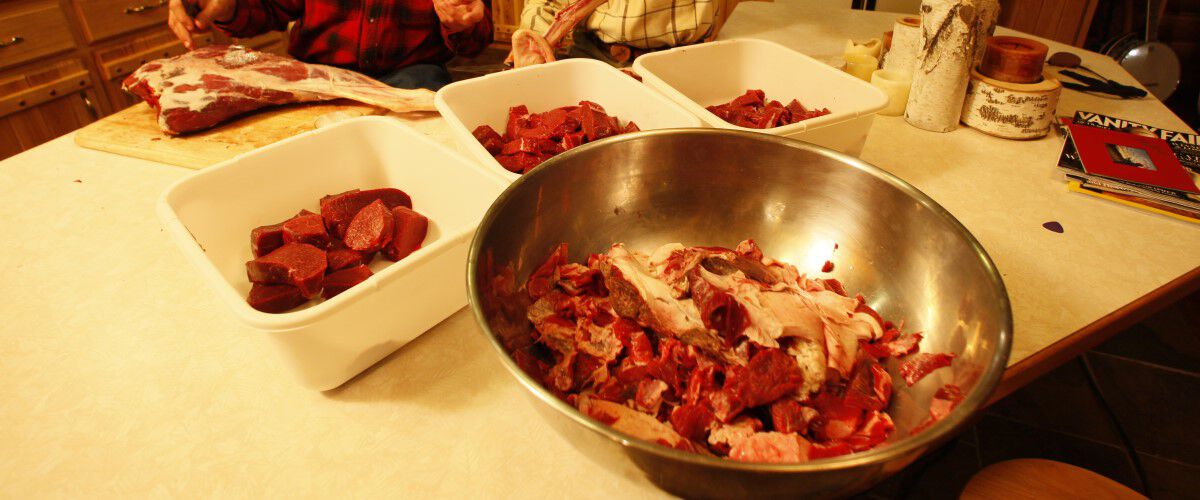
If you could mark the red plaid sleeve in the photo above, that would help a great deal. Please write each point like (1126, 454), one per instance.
(255, 17)
(471, 42)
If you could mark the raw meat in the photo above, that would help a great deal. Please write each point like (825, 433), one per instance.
(210, 85)
(339, 257)
(917, 366)
(306, 228)
(410, 230)
(714, 350)
(339, 209)
(325, 254)
(752, 110)
(370, 229)
(296, 264)
(531, 138)
(274, 298)
(340, 281)
(265, 239)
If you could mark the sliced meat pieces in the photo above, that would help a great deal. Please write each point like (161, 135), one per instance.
(340, 281)
(306, 228)
(339, 257)
(296, 264)
(275, 298)
(370, 229)
(338, 210)
(753, 110)
(207, 86)
(531, 138)
(410, 231)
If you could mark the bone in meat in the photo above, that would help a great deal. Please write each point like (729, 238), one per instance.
(207, 86)
(540, 49)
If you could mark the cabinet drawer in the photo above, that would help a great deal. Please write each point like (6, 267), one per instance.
(30, 33)
(107, 18)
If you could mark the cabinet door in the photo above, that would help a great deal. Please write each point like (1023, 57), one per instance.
(32, 29)
(44, 102)
(109, 18)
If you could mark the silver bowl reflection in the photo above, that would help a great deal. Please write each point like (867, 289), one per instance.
(909, 257)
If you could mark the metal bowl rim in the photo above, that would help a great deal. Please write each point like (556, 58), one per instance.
(882, 454)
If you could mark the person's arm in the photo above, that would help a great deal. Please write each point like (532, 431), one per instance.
(466, 25)
(255, 17)
(470, 42)
(537, 15)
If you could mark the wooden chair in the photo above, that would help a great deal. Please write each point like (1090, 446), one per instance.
(1037, 478)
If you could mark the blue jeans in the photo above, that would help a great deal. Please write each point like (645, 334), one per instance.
(418, 76)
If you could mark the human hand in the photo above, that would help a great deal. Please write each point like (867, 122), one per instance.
(183, 25)
(458, 15)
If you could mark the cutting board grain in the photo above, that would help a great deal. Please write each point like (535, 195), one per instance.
(134, 132)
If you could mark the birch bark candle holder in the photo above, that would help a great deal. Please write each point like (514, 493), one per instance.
(895, 84)
(861, 66)
(1011, 110)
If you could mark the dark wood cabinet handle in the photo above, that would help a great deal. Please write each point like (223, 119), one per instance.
(145, 7)
(12, 40)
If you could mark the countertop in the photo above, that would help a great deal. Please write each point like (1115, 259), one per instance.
(123, 375)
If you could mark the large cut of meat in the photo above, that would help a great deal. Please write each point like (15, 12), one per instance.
(207, 86)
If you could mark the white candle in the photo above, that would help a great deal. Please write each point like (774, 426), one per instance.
(895, 84)
(861, 65)
(865, 47)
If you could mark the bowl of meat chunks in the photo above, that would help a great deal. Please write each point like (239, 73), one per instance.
(739, 314)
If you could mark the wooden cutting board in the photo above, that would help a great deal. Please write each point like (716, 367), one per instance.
(134, 132)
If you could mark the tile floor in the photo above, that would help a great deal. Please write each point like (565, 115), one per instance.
(1149, 376)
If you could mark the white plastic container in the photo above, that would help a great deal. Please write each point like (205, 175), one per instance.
(210, 215)
(713, 73)
(485, 100)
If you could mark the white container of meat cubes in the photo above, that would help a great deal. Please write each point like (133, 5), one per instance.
(486, 100)
(698, 76)
(326, 342)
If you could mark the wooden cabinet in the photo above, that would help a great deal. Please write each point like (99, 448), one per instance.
(42, 103)
(100, 19)
(1065, 21)
(32, 29)
(62, 61)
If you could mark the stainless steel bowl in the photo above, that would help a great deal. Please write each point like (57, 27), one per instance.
(900, 249)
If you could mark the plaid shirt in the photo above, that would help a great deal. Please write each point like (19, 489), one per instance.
(370, 36)
(643, 24)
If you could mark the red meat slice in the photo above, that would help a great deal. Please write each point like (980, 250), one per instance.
(274, 298)
(410, 231)
(542, 279)
(752, 98)
(770, 375)
(370, 229)
(340, 281)
(871, 387)
(571, 140)
(490, 139)
(265, 239)
(630, 128)
(338, 210)
(596, 123)
(874, 430)
(518, 117)
(306, 228)
(917, 366)
(338, 257)
(692, 420)
(893, 344)
(788, 415)
(297, 264)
